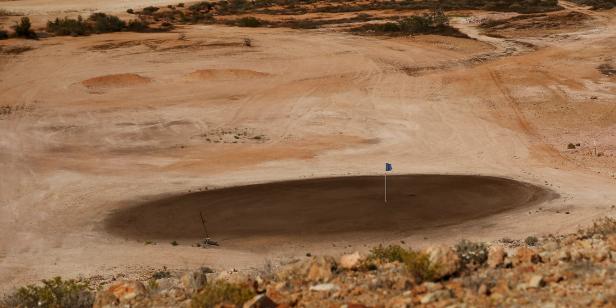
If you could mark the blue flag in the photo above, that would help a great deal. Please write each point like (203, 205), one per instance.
(388, 167)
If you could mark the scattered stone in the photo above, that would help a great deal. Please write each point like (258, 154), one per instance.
(350, 261)
(496, 256)
(536, 281)
(121, 292)
(526, 255)
(320, 269)
(435, 296)
(260, 301)
(193, 281)
(324, 287)
(447, 259)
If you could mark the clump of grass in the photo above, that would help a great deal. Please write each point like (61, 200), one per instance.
(417, 263)
(53, 293)
(221, 292)
(602, 227)
(174, 243)
(23, 29)
(531, 240)
(391, 253)
(471, 254)
(419, 266)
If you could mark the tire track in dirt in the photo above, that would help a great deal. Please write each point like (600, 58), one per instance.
(544, 151)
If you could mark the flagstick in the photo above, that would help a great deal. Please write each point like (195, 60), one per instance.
(385, 186)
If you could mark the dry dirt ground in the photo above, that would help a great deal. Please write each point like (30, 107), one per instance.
(92, 126)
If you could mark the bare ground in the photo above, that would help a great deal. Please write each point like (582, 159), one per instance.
(323, 103)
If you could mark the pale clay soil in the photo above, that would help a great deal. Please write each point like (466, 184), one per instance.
(104, 122)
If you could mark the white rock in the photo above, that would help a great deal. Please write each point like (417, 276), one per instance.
(350, 261)
(324, 287)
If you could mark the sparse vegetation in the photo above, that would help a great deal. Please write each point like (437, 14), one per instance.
(4, 12)
(531, 240)
(250, 22)
(68, 26)
(319, 6)
(417, 263)
(137, 25)
(174, 243)
(53, 293)
(598, 4)
(3, 34)
(222, 292)
(149, 10)
(23, 29)
(601, 227)
(471, 254)
(419, 266)
(390, 253)
(96, 23)
(435, 23)
(104, 23)
(570, 146)
(164, 273)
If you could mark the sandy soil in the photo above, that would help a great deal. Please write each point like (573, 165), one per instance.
(93, 125)
(306, 211)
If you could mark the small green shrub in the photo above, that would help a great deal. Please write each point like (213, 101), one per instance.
(23, 29)
(471, 254)
(418, 264)
(602, 227)
(222, 293)
(67, 26)
(250, 21)
(149, 10)
(174, 243)
(531, 240)
(104, 23)
(137, 25)
(54, 293)
(181, 4)
(4, 35)
(200, 6)
(390, 253)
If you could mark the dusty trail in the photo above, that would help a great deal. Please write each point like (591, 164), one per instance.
(298, 104)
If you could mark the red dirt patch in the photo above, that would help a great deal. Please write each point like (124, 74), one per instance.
(116, 81)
